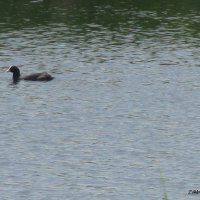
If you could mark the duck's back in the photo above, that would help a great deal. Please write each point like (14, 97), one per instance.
(44, 76)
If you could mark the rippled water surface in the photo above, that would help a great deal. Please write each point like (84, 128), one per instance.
(123, 111)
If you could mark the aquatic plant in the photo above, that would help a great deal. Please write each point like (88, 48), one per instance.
(162, 182)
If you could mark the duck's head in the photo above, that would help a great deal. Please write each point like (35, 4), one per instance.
(13, 69)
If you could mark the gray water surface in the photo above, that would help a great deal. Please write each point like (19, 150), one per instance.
(122, 113)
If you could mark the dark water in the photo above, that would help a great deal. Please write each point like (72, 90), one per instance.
(123, 111)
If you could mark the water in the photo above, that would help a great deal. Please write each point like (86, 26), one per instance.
(122, 111)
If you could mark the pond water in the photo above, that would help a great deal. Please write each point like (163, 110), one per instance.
(121, 115)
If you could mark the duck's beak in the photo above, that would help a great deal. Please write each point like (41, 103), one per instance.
(8, 70)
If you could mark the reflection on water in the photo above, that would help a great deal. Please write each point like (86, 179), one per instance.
(123, 104)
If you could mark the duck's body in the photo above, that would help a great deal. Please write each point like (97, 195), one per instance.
(43, 76)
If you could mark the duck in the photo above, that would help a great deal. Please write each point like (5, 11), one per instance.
(42, 76)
